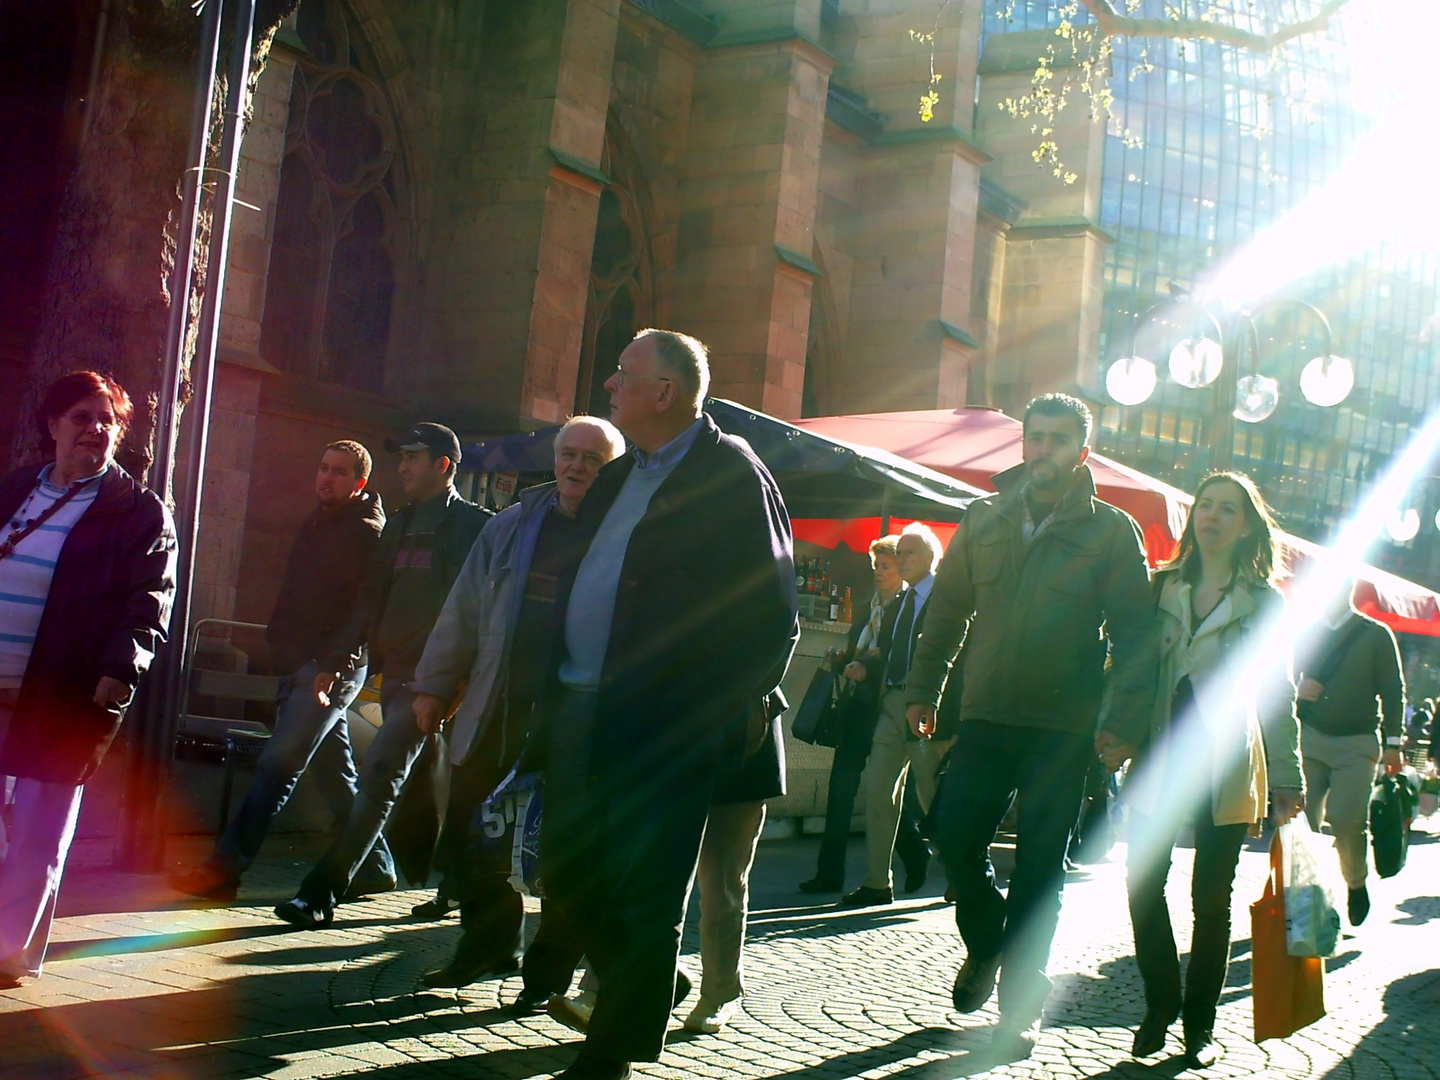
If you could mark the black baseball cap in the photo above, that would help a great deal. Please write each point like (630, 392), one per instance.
(437, 438)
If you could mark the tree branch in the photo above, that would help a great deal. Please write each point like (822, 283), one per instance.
(1114, 24)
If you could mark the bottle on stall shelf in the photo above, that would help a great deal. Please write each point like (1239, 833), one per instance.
(834, 603)
(812, 581)
(800, 576)
(847, 613)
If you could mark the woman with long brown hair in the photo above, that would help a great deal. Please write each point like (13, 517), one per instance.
(1222, 751)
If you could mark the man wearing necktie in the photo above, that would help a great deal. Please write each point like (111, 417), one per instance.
(895, 750)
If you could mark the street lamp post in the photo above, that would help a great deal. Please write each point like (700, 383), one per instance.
(1197, 362)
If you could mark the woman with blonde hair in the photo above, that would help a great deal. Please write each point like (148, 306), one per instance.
(1221, 753)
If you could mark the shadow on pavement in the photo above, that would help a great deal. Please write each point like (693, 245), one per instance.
(1391, 1047)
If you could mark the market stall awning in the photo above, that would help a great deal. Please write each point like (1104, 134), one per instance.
(972, 444)
(820, 477)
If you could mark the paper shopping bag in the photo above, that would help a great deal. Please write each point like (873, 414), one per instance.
(1287, 990)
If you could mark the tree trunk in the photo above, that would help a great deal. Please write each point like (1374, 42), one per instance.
(107, 299)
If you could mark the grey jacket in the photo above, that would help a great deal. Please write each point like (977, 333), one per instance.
(470, 644)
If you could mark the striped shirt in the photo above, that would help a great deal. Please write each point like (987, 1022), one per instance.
(25, 576)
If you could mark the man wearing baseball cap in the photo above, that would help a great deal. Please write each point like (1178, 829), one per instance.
(419, 555)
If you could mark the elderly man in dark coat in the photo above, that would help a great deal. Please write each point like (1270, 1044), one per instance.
(679, 623)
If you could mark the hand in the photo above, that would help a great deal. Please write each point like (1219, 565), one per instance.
(111, 693)
(873, 654)
(922, 720)
(1394, 761)
(855, 671)
(1285, 803)
(429, 712)
(324, 683)
(1112, 750)
(1309, 690)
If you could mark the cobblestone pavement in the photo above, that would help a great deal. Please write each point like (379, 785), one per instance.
(140, 986)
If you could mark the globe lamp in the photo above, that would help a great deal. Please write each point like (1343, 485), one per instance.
(1403, 525)
(1255, 398)
(1131, 380)
(1196, 363)
(1327, 380)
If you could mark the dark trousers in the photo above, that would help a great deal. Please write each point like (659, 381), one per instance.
(491, 911)
(1043, 773)
(552, 955)
(618, 849)
(845, 772)
(1217, 853)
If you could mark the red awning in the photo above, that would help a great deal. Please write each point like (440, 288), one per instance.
(973, 444)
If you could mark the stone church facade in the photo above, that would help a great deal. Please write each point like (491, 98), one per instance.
(462, 211)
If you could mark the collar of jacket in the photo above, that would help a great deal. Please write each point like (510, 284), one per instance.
(613, 474)
(1243, 603)
(533, 497)
(1078, 500)
(118, 492)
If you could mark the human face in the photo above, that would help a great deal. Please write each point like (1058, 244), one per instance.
(85, 437)
(1053, 451)
(335, 480)
(639, 389)
(578, 456)
(887, 575)
(913, 557)
(1219, 518)
(422, 477)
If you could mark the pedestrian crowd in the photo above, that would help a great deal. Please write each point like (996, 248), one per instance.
(611, 646)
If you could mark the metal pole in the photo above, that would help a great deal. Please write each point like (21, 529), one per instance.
(1222, 422)
(158, 748)
(137, 821)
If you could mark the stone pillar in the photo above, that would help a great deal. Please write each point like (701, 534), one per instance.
(1052, 295)
(508, 313)
(236, 401)
(747, 224)
(909, 341)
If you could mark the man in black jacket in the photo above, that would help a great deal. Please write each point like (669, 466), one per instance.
(410, 574)
(679, 623)
(317, 597)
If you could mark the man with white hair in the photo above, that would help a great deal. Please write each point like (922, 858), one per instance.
(895, 751)
(495, 637)
(679, 624)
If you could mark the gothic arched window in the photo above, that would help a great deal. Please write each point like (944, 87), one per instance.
(336, 244)
(622, 272)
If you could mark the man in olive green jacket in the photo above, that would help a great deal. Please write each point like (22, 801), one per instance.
(1049, 580)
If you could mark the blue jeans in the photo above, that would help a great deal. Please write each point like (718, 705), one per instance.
(42, 828)
(307, 735)
(387, 763)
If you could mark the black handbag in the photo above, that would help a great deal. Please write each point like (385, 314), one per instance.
(1392, 808)
(817, 721)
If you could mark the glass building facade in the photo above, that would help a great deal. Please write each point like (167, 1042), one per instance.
(1225, 142)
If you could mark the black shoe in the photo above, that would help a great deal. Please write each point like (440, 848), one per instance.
(819, 884)
(462, 971)
(1201, 1050)
(530, 1001)
(915, 878)
(865, 896)
(437, 908)
(370, 883)
(298, 912)
(1358, 904)
(1012, 1041)
(207, 883)
(974, 983)
(590, 1066)
(684, 983)
(1150, 1035)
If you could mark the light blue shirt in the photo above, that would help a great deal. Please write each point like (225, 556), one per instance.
(592, 599)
